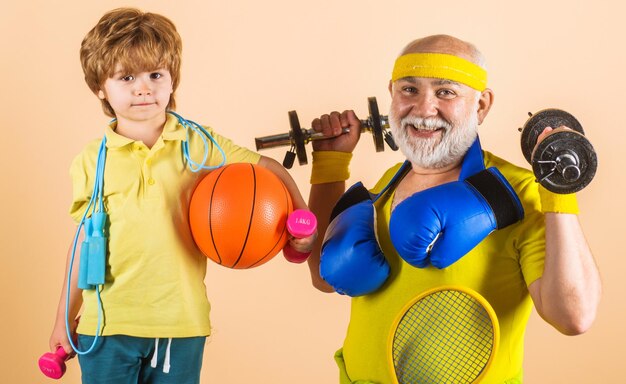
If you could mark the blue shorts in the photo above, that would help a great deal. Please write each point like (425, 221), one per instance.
(135, 360)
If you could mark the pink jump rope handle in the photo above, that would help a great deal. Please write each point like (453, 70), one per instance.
(300, 223)
(53, 364)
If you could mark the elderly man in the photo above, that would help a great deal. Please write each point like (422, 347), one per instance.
(533, 252)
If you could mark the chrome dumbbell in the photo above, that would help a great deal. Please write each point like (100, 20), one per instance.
(298, 137)
(563, 162)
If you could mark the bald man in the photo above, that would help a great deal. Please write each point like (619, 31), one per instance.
(439, 97)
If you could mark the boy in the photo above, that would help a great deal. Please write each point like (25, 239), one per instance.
(154, 286)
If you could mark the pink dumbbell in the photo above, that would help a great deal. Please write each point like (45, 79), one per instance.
(300, 223)
(53, 364)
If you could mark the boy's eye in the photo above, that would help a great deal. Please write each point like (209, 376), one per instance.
(128, 78)
(155, 75)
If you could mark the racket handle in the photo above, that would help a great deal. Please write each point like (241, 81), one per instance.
(300, 223)
(53, 364)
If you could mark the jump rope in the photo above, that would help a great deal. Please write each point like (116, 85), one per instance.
(91, 274)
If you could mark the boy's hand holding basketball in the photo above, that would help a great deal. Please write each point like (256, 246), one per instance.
(302, 226)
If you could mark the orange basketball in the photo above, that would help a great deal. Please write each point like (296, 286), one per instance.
(238, 215)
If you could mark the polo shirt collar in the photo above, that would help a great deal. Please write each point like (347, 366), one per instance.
(172, 130)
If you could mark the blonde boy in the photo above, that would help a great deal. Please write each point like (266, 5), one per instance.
(155, 309)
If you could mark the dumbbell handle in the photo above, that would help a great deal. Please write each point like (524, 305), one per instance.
(300, 223)
(566, 165)
(285, 139)
(53, 364)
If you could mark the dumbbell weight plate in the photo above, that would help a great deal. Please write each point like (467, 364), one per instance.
(377, 129)
(298, 137)
(539, 121)
(555, 151)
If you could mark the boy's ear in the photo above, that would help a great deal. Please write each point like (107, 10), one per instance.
(101, 94)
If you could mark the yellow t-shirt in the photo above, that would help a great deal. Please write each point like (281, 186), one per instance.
(500, 268)
(155, 273)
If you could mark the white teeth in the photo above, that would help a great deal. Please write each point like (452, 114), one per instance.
(422, 128)
(426, 125)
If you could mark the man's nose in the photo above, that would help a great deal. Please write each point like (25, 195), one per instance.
(425, 105)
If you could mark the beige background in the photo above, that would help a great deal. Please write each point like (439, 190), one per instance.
(246, 63)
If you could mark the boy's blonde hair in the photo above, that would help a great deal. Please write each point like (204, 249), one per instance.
(137, 41)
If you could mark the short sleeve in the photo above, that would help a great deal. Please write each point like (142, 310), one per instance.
(82, 170)
(234, 153)
(532, 245)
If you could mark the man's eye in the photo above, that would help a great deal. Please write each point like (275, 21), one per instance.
(446, 93)
(409, 89)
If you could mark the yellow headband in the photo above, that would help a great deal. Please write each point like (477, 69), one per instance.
(440, 66)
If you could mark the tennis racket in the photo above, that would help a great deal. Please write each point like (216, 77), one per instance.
(445, 335)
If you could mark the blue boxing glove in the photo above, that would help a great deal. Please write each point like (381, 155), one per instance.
(351, 260)
(440, 225)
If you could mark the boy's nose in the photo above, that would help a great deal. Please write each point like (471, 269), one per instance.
(143, 91)
(142, 88)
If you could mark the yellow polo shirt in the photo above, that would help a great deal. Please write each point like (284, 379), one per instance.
(155, 273)
(500, 268)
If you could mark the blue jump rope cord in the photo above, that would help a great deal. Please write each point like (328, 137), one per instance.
(96, 197)
(193, 127)
(98, 193)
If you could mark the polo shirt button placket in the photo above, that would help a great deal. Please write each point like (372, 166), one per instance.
(148, 171)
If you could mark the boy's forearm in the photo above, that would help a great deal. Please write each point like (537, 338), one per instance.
(280, 171)
(75, 297)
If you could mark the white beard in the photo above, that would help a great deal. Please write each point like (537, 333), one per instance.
(433, 153)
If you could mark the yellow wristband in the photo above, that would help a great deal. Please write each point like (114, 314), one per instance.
(557, 203)
(330, 166)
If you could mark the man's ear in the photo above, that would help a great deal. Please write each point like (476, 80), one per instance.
(484, 104)
(390, 87)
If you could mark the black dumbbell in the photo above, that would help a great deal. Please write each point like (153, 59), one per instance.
(297, 137)
(565, 161)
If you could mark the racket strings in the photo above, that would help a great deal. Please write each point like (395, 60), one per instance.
(446, 337)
